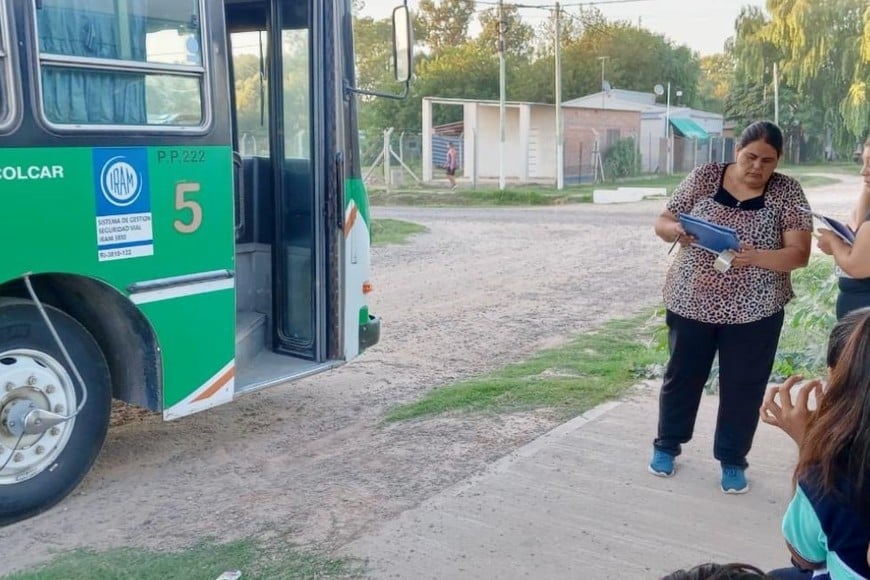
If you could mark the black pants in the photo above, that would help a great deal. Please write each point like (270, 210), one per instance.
(851, 298)
(746, 353)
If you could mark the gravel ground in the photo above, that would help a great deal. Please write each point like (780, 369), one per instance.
(308, 462)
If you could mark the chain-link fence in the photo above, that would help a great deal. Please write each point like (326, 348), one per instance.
(391, 158)
(690, 153)
(395, 159)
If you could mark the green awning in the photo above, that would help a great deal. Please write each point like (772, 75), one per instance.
(688, 128)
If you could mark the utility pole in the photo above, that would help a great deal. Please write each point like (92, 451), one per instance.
(603, 59)
(560, 144)
(775, 94)
(668, 130)
(501, 96)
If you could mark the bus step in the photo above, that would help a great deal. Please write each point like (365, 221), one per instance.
(250, 336)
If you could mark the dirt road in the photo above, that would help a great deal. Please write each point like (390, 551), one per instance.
(307, 462)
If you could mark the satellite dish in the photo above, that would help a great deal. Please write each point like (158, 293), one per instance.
(605, 86)
(659, 90)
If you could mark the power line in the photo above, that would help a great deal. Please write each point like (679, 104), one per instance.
(563, 5)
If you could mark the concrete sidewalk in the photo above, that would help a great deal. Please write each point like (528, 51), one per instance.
(578, 502)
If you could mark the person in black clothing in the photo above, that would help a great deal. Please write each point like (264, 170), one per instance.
(853, 261)
(737, 313)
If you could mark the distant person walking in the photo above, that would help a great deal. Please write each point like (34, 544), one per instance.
(737, 312)
(450, 165)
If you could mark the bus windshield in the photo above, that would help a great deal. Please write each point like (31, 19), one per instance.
(5, 72)
(122, 62)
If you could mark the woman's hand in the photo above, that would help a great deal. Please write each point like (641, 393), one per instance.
(669, 229)
(793, 418)
(746, 256)
(826, 240)
(680, 235)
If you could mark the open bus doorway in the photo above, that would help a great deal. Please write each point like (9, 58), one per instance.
(280, 309)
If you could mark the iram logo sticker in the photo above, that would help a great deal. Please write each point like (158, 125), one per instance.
(123, 204)
(121, 184)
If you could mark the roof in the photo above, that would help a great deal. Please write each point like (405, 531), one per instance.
(688, 128)
(610, 101)
(616, 100)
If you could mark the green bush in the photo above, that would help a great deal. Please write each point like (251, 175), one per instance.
(808, 321)
(622, 160)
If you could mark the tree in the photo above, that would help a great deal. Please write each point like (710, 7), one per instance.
(463, 72)
(571, 29)
(373, 48)
(637, 60)
(714, 85)
(518, 36)
(444, 23)
(819, 48)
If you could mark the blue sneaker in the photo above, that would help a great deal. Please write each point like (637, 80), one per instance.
(662, 464)
(734, 479)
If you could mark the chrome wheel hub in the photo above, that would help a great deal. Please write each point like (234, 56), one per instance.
(30, 380)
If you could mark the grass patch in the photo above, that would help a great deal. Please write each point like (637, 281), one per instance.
(593, 368)
(206, 560)
(817, 175)
(390, 231)
(524, 195)
(476, 197)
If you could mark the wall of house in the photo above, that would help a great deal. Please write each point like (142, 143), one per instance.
(583, 126)
(488, 142)
(542, 143)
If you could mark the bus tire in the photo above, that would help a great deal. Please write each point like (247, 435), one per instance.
(41, 469)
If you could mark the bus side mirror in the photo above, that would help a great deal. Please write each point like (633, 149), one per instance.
(403, 56)
(403, 44)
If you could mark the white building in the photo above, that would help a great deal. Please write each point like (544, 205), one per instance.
(530, 151)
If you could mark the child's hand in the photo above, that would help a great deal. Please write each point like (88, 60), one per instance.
(791, 417)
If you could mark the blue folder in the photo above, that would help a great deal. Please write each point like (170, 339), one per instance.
(710, 236)
(838, 227)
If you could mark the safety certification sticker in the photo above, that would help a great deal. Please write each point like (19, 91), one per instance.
(124, 228)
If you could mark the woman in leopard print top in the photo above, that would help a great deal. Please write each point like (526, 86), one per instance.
(737, 313)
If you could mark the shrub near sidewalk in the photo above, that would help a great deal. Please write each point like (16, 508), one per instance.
(622, 160)
(808, 321)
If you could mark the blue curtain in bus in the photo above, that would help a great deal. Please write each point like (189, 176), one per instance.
(93, 28)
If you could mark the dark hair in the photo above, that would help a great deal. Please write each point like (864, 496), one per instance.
(837, 440)
(718, 572)
(840, 334)
(765, 131)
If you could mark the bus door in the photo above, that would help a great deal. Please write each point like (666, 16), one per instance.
(280, 306)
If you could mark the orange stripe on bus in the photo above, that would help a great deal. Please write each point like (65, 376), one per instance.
(351, 219)
(217, 385)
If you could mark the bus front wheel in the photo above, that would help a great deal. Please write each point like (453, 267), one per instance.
(38, 469)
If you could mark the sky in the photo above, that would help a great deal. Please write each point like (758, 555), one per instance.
(702, 25)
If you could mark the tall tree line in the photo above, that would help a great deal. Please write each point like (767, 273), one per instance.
(816, 52)
(450, 63)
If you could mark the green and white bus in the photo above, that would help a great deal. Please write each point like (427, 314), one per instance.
(183, 217)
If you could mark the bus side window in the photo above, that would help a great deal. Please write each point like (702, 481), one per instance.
(5, 72)
(77, 89)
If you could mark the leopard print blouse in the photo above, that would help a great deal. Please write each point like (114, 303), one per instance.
(693, 289)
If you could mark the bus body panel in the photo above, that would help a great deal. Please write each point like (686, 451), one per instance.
(130, 216)
(356, 268)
